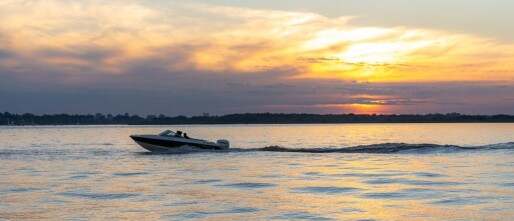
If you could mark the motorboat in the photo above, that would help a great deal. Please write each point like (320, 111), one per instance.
(170, 141)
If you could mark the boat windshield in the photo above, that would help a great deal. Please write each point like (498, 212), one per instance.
(167, 133)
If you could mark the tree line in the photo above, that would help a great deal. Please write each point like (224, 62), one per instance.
(7, 118)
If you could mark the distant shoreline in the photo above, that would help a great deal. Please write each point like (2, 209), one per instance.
(8, 119)
(66, 125)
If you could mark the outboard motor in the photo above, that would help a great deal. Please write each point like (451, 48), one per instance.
(223, 143)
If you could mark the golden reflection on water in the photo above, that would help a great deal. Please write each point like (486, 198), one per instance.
(68, 174)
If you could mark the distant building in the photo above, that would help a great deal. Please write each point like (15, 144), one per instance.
(206, 114)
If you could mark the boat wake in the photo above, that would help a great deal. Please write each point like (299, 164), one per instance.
(384, 148)
(389, 148)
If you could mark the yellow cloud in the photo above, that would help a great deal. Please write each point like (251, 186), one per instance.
(53, 34)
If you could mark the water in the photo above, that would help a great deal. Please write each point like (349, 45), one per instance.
(318, 172)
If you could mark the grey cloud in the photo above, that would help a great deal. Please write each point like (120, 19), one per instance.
(149, 90)
(147, 86)
(5, 54)
(88, 54)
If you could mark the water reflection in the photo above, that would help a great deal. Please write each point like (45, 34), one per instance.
(85, 172)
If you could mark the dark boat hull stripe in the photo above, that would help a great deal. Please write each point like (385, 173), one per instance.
(172, 144)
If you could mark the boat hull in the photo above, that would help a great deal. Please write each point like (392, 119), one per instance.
(157, 144)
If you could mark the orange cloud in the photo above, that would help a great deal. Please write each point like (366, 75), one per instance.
(97, 37)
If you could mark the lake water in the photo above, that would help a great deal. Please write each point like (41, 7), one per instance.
(323, 172)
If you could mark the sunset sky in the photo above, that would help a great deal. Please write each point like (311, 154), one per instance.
(231, 56)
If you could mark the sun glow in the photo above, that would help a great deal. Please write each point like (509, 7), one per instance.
(366, 108)
(357, 108)
(94, 38)
(381, 52)
(328, 38)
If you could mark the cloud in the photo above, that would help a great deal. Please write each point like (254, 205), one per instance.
(191, 93)
(95, 36)
(232, 59)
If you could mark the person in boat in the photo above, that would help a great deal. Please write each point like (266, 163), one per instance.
(185, 136)
(178, 134)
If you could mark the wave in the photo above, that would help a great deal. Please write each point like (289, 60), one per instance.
(384, 148)
(389, 148)
(69, 144)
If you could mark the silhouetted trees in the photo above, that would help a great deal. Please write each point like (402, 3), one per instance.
(7, 118)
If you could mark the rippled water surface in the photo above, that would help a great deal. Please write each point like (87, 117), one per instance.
(393, 172)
